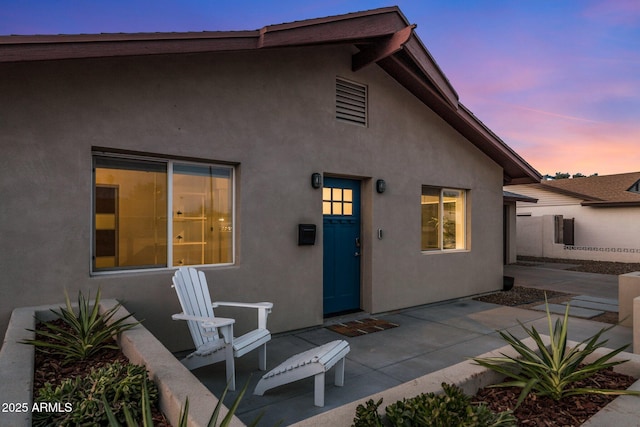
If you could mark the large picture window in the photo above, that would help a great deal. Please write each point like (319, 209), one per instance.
(443, 219)
(161, 213)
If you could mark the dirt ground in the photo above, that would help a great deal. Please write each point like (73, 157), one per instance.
(538, 411)
(602, 267)
(529, 297)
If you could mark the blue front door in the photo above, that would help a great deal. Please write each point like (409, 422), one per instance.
(341, 242)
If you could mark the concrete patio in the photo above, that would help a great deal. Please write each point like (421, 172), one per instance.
(429, 338)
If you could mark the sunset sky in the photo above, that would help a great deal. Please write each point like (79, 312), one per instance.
(558, 81)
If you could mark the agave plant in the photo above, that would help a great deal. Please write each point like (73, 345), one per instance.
(87, 332)
(552, 370)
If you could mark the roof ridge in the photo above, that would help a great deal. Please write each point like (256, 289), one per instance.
(333, 18)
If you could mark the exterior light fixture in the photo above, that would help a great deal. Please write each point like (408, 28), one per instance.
(381, 186)
(316, 180)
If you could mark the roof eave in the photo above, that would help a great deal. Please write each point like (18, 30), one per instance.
(516, 169)
(46, 48)
(611, 204)
(513, 197)
(435, 94)
(348, 28)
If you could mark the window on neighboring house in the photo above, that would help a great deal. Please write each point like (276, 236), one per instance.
(151, 213)
(443, 219)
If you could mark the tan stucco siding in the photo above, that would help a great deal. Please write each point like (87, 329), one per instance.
(272, 114)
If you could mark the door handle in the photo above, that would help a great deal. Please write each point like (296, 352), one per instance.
(356, 254)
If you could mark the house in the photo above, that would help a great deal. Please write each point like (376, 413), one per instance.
(594, 218)
(325, 165)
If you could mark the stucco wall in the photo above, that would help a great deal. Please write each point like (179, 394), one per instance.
(536, 237)
(272, 114)
(529, 236)
(511, 241)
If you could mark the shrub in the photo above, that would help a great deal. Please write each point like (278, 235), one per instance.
(368, 416)
(147, 421)
(453, 408)
(86, 333)
(552, 370)
(118, 384)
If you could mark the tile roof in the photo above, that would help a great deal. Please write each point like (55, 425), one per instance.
(606, 190)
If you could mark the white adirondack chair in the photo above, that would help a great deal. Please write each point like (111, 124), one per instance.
(213, 336)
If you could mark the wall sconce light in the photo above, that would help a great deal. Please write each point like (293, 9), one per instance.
(316, 180)
(381, 186)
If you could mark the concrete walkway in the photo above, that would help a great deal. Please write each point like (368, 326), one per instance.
(429, 338)
(555, 277)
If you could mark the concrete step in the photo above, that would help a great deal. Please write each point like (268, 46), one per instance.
(610, 301)
(585, 313)
(592, 305)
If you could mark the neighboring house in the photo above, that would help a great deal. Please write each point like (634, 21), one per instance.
(581, 218)
(125, 156)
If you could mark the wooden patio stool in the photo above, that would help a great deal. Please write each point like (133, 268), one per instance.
(314, 362)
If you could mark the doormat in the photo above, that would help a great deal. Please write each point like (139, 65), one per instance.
(356, 328)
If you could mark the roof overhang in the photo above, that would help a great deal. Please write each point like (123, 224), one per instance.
(509, 196)
(382, 36)
(606, 204)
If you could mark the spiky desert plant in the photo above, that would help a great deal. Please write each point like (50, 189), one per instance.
(86, 331)
(553, 370)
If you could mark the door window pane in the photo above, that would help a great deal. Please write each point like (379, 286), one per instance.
(326, 208)
(337, 208)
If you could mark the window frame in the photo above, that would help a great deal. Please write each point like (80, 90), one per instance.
(465, 220)
(169, 163)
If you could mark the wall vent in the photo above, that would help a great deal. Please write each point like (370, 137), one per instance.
(351, 102)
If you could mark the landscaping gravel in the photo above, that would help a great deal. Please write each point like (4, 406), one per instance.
(528, 297)
(519, 296)
(586, 266)
(536, 411)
